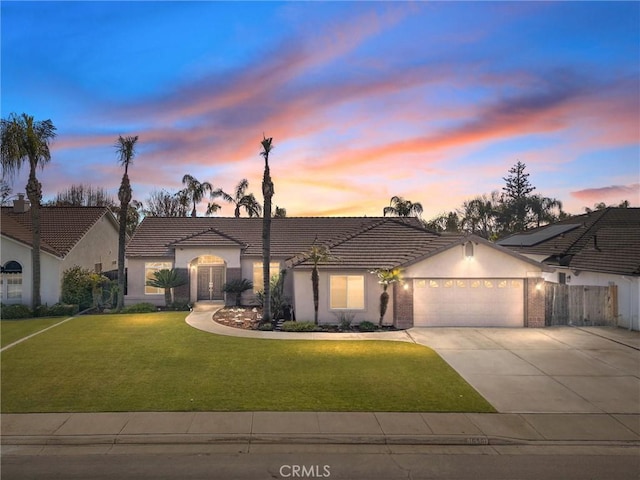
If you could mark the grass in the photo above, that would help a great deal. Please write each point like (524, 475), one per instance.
(14, 330)
(156, 362)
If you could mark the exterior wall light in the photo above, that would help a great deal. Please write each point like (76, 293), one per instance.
(468, 250)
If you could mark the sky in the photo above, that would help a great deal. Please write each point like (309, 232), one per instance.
(431, 101)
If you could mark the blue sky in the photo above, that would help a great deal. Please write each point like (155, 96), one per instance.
(433, 101)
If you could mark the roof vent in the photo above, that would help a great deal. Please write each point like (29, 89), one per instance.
(21, 205)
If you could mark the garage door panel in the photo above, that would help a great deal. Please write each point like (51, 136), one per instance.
(469, 302)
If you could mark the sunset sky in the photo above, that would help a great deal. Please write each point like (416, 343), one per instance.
(433, 101)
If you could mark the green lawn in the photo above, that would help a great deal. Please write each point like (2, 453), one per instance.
(156, 362)
(13, 330)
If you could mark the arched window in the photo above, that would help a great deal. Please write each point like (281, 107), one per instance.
(12, 282)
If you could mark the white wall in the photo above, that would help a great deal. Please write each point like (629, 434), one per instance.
(99, 245)
(185, 255)
(303, 298)
(487, 262)
(50, 271)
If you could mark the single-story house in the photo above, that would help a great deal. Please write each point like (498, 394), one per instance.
(454, 280)
(599, 248)
(70, 236)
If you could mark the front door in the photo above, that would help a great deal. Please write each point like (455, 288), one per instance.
(210, 280)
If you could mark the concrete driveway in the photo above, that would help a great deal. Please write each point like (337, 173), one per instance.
(547, 370)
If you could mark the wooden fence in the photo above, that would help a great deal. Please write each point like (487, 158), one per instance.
(580, 305)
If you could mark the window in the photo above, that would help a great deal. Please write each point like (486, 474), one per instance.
(346, 292)
(258, 272)
(562, 278)
(149, 269)
(12, 281)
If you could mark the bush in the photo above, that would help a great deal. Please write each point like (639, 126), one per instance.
(366, 326)
(140, 308)
(345, 320)
(298, 327)
(266, 327)
(62, 310)
(82, 287)
(14, 312)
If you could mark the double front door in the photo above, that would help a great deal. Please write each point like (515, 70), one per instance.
(210, 281)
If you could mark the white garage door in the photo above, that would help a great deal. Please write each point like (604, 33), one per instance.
(460, 302)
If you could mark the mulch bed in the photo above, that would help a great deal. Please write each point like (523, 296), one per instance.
(239, 317)
(249, 319)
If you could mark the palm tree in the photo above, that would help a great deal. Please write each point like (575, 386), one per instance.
(385, 278)
(126, 149)
(196, 191)
(318, 254)
(400, 207)
(25, 139)
(542, 209)
(241, 199)
(236, 287)
(166, 279)
(267, 192)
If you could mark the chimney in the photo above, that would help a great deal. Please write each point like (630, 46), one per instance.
(21, 205)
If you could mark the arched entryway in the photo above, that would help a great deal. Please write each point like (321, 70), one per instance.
(210, 277)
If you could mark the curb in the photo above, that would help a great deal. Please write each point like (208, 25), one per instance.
(209, 439)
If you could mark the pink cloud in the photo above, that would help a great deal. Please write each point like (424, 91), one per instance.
(614, 193)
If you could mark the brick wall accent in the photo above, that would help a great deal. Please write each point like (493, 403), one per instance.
(403, 305)
(534, 313)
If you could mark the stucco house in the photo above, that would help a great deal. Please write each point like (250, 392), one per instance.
(447, 279)
(70, 236)
(600, 248)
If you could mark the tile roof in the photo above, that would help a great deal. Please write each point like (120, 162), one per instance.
(61, 227)
(359, 241)
(606, 241)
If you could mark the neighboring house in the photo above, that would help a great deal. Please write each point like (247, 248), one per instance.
(70, 236)
(600, 248)
(448, 279)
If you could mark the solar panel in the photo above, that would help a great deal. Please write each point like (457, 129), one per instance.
(530, 239)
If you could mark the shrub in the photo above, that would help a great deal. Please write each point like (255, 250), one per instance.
(298, 327)
(279, 301)
(366, 326)
(236, 287)
(14, 312)
(345, 320)
(140, 308)
(266, 327)
(82, 287)
(62, 310)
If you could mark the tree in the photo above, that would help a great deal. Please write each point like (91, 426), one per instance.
(237, 287)
(317, 255)
(602, 206)
(480, 214)
(83, 196)
(280, 212)
(386, 277)
(241, 199)
(24, 139)
(267, 192)
(543, 210)
(195, 191)
(400, 207)
(5, 192)
(126, 150)
(167, 279)
(161, 203)
(515, 197)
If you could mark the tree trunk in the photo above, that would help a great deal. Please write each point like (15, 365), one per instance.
(124, 195)
(34, 193)
(315, 283)
(384, 302)
(167, 297)
(267, 190)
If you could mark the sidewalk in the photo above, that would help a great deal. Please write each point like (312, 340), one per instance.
(355, 428)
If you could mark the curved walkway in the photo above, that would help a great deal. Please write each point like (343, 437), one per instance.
(202, 320)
